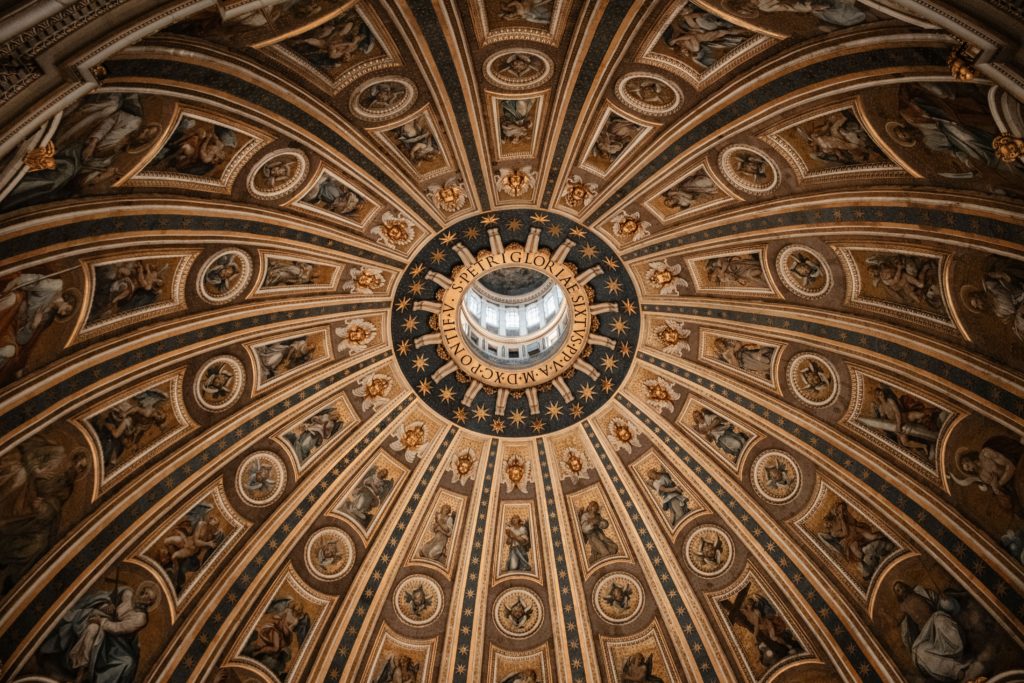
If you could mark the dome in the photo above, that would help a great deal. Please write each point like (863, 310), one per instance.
(512, 341)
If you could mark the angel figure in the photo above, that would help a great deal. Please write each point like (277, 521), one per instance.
(356, 336)
(673, 336)
(123, 427)
(29, 303)
(1002, 293)
(288, 273)
(516, 120)
(416, 141)
(218, 382)
(665, 277)
(674, 500)
(517, 538)
(637, 668)
(314, 432)
(689, 190)
(442, 527)
(993, 470)
(284, 622)
(720, 432)
(532, 11)
(369, 495)
(398, 669)
(774, 639)
(340, 39)
(222, 274)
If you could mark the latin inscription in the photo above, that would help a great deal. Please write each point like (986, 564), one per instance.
(466, 361)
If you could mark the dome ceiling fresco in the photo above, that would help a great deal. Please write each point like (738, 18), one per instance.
(244, 436)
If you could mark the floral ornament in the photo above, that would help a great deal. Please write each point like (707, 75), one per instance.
(411, 438)
(573, 464)
(516, 182)
(449, 197)
(577, 193)
(517, 474)
(395, 230)
(623, 435)
(629, 228)
(374, 390)
(364, 280)
(673, 336)
(665, 277)
(355, 336)
(463, 466)
(661, 393)
(1008, 148)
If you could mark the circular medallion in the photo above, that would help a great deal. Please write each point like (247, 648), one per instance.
(518, 613)
(618, 598)
(418, 600)
(224, 275)
(219, 382)
(329, 553)
(516, 323)
(803, 271)
(813, 379)
(261, 478)
(647, 93)
(383, 98)
(708, 550)
(278, 173)
(748, 169)
(776, 477)
(518, 69)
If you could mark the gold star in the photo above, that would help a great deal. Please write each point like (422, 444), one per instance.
(607, 385)
(448, 238)
(611, 263)
(612, 285)
(472, 233)
(460, 414)
(587, 392)
(420, 363)
(576, 411)
(629, 307)
(489, 220)
(498, 425)
(403, 304)
(555, 230)
(538, 425)
(578, 231)
(481, 412)
(404, 346)
(554, 410)
(515, 224)
(447, 394)
(588, 250)
(518, 417)
(619, 325)
(625, 348)
(436, 256)
(609, 363)
(424, 387)
(416, 287)
(411, 323)
(539, 218)
(417, 270)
